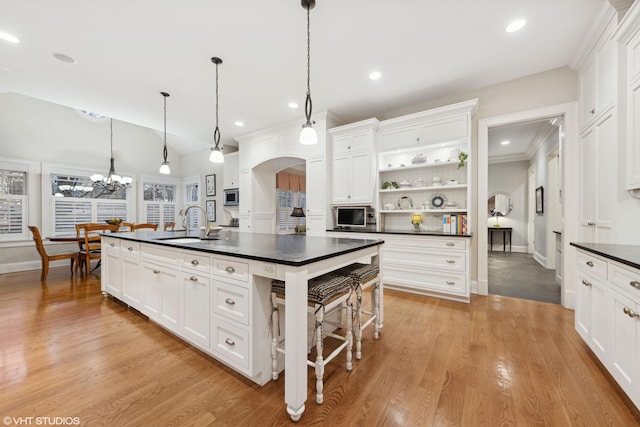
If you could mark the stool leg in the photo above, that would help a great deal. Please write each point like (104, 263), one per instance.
(349, 336)
(319, 359)
(275, 319)
(375, 297)
(358, 326)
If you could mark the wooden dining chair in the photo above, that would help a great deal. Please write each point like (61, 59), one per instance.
(169, 226)
(139, 226)
(46, 258)
(92, 242)
(128, 226)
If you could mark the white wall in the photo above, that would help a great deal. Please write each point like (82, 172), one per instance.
(511, 178)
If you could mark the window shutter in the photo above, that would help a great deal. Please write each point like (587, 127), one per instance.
(68, 212)
(108, 210)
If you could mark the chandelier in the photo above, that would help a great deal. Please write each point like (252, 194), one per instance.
(112, 182)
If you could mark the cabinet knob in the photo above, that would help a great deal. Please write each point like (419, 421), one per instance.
(230, 270)
(349, 196)
(450, 282)
(451, 261)
(195, 262)
(112, 244)
(451, 244)
(586, 283)
(589, 263)
(229, 341)
(130, 249)
(230, 301)
(193, 278)
(592, 111)
(635, 284)
(591, 223)
(156, 271)
(630, 313)
(348, 147)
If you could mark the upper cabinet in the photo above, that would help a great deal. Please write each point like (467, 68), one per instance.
(420, 167)
(629, 35)
(598, 76)
(231, 172)
(354, 163)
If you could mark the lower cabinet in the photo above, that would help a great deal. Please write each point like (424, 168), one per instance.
(209, 301)
(607, 317)
(435, 265)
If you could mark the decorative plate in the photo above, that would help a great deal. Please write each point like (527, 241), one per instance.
(438, 201)
(405, 203)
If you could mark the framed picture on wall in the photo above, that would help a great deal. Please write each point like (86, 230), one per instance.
(539, 200)
(211, 185)
(211, 210)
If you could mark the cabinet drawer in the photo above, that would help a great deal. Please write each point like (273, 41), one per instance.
(400, 256)
(231, 269)
(111, 245)
(159, 254)
(230, 343)
(231, 301)
(418, 244)
(628, 280)
(356, 142)
(196, 261)
(426, 280)
(130, 249)
(596, 267)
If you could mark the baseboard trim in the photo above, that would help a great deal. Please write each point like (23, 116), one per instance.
(17, 267)
(540, 259)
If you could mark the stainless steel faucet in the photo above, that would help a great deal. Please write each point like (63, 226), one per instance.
(185, 223)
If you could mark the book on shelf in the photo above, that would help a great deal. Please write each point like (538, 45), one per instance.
(454, 223)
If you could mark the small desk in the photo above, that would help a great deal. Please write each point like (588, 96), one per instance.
(505, 231)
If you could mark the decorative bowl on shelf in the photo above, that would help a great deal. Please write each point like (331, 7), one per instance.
(405, 203)
(405, 183)
(420, 158)
(436, 181)
(438, 201)
(113, 221)
(389, 206)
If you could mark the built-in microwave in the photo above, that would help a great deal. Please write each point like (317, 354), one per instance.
(231, 197)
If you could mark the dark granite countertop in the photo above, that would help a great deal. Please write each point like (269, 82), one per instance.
(287, 249)
(624, 254)
(405, 232)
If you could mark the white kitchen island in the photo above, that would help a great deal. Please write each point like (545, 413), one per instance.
(214, 294)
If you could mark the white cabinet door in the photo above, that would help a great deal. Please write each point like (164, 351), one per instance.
(342, 168)
(231, 172)
(113, 278)
(625, 348)
(316, 187)
(633, 137)
(132, 287)
(246, 181)
(588, 186)
(591, 314)
(361, 179)
(588, 81)
(196, 308)
(316, 225)
(404, 137)
(162, 295)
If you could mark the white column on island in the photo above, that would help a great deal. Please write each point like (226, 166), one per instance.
(295, 327)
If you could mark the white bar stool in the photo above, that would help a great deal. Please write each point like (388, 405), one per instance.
(326, 294)
(364, 276)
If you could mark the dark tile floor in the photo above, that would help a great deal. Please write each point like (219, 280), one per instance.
(519, 275)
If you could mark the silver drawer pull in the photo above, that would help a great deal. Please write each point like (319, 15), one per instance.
(451, 244)
(589, 263)
(230, 270)
(229, 341)
(635, 284)
(586, 283)
(130, 249)
(230, 301)
(451, 261)
(193, 278)
(450, 282)
(630, 313)
(156, 271)
(194, 262)
(112, 244)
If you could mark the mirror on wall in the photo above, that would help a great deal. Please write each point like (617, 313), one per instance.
(499, 204)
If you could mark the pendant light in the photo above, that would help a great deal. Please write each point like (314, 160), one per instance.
(112, 182)
(308, 136)
(164, 167)
(216, 152)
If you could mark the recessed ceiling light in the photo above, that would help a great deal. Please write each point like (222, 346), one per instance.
(375, 75)
(64, 58)
(239, 124)
(293, 105)
(515, 25)
(9, 37)
(505, 142)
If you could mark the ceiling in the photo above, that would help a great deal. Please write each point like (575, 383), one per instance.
(127, 52)
(523, 139)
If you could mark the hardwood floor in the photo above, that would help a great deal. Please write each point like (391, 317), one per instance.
(68, 352)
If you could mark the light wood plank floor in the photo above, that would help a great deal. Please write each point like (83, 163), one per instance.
(66, 351)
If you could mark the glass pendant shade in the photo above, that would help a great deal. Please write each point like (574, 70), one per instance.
(165, 169)
(308, 136)
(216, 155)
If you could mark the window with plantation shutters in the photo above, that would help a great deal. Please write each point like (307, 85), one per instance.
(192, 197)
(290, 193)
(68, 212)
(159, 203)
(13, 204)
